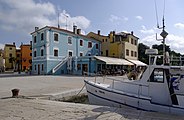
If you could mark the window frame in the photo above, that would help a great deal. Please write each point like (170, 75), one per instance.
(90, 44)
(34, 39)
(56, 34)
(55, 49)
(69, 40)
(127, 52)
(81, 42)
(42, 36)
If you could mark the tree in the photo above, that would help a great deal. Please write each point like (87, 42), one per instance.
(141, 53)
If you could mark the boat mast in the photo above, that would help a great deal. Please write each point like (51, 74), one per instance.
(163, 33)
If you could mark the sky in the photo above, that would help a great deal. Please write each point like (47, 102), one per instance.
(18, 18)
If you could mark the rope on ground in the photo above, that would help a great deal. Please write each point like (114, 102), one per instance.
(80, 90)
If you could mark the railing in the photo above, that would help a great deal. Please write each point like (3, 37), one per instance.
(61, 63)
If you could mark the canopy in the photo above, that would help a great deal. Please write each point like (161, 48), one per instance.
(137, 62)
(113, 61)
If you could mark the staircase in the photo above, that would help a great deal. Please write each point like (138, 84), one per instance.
(61, 63)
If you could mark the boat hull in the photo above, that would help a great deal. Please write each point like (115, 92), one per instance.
(100, 95)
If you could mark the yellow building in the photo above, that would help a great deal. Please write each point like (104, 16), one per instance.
(105, 40)
(124, 45)
(10, 56)
(120, 45)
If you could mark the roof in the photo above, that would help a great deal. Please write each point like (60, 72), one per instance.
(113, 61)
(137, 62)
(10, 45)
(123, 33)
(63, 30)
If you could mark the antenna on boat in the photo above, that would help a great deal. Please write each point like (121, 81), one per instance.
(163, 33)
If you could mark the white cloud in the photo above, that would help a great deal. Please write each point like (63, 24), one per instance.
(116, 19)
(139, 17)
(175, 42)
(179, 25)
(146, 31)
(24, 15)
(80, 21)
(1, 46)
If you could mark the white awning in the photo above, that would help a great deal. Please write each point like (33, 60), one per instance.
(137, 62)
(113, 61)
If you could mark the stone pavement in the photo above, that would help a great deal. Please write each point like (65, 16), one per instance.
(37, 109)
(32, 107)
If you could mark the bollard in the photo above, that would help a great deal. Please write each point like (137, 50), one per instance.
(15, 92)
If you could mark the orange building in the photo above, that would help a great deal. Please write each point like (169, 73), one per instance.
(26, 57)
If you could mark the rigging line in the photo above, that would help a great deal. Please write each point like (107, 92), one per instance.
(164, 9)
(156, 13)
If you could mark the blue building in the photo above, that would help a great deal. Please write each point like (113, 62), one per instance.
(58, 51)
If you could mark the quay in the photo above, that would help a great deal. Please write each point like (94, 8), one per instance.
(33, 106)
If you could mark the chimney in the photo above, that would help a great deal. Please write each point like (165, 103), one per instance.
(75, 29)
(132, 32)
(98, 32)
(113, 33)
(13, 43)
(79, 31)
(36, 28)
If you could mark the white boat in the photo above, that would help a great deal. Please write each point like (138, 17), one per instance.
(158, 88)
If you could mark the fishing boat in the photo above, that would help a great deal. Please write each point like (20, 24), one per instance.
(158, 88)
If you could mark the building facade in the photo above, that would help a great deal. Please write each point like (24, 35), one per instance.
(10, 56)
(120, 45)
(26, 57)
(2, 61)
(18, 60)
(58, 51)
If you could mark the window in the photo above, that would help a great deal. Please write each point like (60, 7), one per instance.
(106, 40)
(69, 40)
(34, 53)
(18, 55)
(79, 66)
(127, 52)
(106, 53)
(35, 67)
(56, 37)
(132, 41)
(69, 53)
(10, 55)
(34, 39)
(55, 53)
(24, 67)
(42, 67)
(132, 53)
(135, 54)
(81, 42)
(135, 42)
(103, 40)
(157, 75)
(41, 36)
(10, 48)
(96, 46)
(30, 54)
(41, 52)
(89, 44)
(81, 54)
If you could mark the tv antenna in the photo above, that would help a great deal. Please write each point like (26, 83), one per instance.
(58, 17)
(163, 33)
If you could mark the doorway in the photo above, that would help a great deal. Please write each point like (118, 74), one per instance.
(38, 69)
(84, 68)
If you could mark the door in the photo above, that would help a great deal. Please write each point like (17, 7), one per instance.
(84, 68)
(38, 69)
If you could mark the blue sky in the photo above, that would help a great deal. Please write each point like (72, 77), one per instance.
(19, 17)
